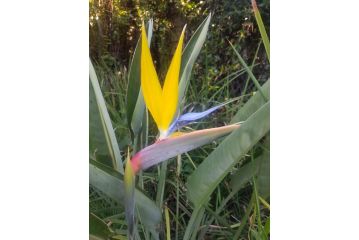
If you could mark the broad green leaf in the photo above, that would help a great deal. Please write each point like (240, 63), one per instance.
(203, 181)
(134, 99)
(190, 54)
(263, 178)
(259, 167)
(252, 105)
(98, 144)
(111, 183)
(261, 27)
(98, 228)
(137, 119)
(245, 174)
(106, 122)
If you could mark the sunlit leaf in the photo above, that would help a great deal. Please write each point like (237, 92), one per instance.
(202, 182)
(106, 122)
(98, 143)
(190, 54)
(261, 27)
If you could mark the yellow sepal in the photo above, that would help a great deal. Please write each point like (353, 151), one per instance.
(170, 87)
(151, 88)
(162, 104)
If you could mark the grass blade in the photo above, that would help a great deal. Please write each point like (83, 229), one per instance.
(168, 229)
(161, 184)
(193, 224)
(250, 73)
(245, 218)
(261, 27)
(98, 228)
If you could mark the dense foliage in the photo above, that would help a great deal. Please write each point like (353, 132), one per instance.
(238, 208)
(115, 28)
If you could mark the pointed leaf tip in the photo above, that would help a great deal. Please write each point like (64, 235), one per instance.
(129, 180)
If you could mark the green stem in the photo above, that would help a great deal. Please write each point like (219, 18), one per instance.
(245, 218)
(161, 184)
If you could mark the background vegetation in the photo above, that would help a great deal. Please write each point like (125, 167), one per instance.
(239, 207)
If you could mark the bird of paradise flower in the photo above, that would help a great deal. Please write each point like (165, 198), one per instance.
(162, 103)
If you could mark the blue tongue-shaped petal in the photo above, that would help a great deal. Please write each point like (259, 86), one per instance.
(187, 118)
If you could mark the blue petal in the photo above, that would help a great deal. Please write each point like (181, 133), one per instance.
(193, 116)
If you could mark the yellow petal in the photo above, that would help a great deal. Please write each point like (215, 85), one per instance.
(170, 88)
(151, 88)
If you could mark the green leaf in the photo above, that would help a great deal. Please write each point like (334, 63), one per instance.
(111, 183)
(98, 228)
(98, 144)
(245, 174)
(168, 228)
(259, 167)
(119, 237)
(135, 104)
(256, 235)
(190, 54)
(261, 27)
(252, 105)
(93, 237)
(203, 181)
(263, 178)
(105, 122)
(194, 223)
(267, 227)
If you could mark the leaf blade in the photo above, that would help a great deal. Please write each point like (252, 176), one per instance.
(106, 122)
(111, 183)
(261, 27)
(202, 182)
(190, 54)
